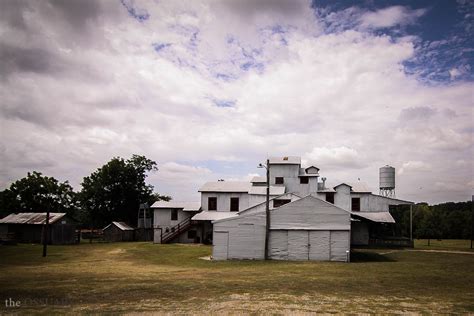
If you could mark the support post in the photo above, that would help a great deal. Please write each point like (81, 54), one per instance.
(472, 220)
(411, 223)
(46, 235)
(267, 212)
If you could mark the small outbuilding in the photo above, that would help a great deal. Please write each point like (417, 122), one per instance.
(28, 228)
(305, 229)
(118, 231)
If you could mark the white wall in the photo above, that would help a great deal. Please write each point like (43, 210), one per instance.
(342, 197)
(223, 200)
(292, 180)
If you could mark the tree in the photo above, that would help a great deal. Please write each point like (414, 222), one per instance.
(36, 194)
(114, 191)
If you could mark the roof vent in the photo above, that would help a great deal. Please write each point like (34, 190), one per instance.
(285, 158)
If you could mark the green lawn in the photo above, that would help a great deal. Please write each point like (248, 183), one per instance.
(143, 277)
(448, 244)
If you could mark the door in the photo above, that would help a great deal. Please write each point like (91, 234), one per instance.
(220, 244)
(279, 244)
(339, 245)
(298, 245)
(319, 245)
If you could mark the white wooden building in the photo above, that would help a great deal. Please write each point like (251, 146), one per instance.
(241, 205)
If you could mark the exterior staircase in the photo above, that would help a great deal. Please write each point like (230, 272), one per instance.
(176, 230)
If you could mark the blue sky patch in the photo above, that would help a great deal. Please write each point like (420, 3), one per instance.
(159, 46)
(222, 103)
(139, 14)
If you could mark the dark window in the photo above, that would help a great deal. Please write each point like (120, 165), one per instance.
(330, 197)
(304, 180)
(174, 215)
(212, 204)
(278, 203)
(279, 180)
(355, 204)
(234, 204)
(191, 234)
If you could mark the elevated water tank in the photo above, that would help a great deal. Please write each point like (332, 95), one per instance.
(387, 178)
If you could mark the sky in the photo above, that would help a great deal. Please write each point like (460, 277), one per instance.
(209, 89)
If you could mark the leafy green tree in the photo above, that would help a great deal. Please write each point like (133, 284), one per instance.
(36, 194)
(114, 191)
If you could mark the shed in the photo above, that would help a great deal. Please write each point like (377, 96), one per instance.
(28, 227)
(118, 231)
(305, 229)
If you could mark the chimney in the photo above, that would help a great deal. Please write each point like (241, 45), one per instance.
(324, 182)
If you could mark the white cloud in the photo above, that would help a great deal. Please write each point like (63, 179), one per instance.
(337, 99)
(340, 157)
(390, 16)
(414, 166)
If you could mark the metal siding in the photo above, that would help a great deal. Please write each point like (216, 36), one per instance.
(220, 245)
(279, 245)
(297, 245)
(339, 245)
(319, 245)
(241, 242)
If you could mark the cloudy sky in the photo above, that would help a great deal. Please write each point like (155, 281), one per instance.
(208, 89)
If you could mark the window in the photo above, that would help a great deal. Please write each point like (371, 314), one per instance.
(355, 204)
(330, 197)
(278, 203)
(279, 180)
(212, 204)
(304, 180)
(174, 215)
(234, 204)
(191, 234)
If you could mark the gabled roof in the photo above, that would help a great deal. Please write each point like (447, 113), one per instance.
(226, 186)
(287, 160)
(185, 206)
(342, 184)
(312, 167)
(31, 218)
(271, 199)
(121, 225)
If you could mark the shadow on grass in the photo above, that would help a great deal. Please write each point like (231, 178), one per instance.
(366, 256)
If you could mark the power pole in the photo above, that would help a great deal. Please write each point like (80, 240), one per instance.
(411, 224)
(267, 211)
(46, 230)
(472, 219)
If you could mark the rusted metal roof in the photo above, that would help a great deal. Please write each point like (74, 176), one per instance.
(31, 218)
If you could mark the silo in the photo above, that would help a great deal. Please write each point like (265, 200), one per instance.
(387, 181)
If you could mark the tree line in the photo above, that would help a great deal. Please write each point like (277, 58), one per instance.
(451, 220)
(113, 192)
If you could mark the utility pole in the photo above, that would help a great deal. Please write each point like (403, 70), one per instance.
(267, 208)
(411, 224)
(267, 211)
(46, 230)
(472, 219)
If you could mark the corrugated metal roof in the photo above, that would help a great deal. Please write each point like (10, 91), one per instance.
(226, 186)
(31, 218)
(259, 179)
(212, 215)
(287, 160)
(379, 217)
(274, 190)
(121, 226)
(186, 206)
(359, 187)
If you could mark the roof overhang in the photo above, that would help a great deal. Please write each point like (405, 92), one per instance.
(212, 215)
(377, 217)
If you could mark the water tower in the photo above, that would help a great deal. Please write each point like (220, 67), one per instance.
(387, 181)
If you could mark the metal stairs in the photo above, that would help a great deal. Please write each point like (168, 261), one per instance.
(176, 230)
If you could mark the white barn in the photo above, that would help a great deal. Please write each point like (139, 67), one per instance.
(305, 229)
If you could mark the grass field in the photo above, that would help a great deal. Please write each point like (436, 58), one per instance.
(143, 277)
(448, 244)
